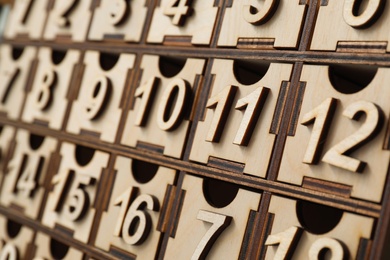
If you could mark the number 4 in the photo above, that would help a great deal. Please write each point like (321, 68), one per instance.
(178, 9)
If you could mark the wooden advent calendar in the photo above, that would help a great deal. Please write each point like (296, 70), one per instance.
(195, 129)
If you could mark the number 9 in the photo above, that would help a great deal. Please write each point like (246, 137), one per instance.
(118, 12)
(255, 16)
(98, 98)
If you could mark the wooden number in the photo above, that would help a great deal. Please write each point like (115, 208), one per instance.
(134, 217)
(255, 16)
(145, 92)
(11, 76)
(118, 12)
(168, 96)
(332, 244)
(370, 12)
(168, 115)
(79, 201)
(25, 6)
(222, 104)
(98, 98)
(28, 180)
(321, 116)
(219, 224)
(179, 9)
(335, 155)
(45, 94)
(285, 240)
(64, 9)
(9, 252)
(252, 105)
(290, 237)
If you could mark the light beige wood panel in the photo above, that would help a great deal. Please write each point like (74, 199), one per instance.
(280, 20)
(70, 18)
(364, 27)
(47, 101)
(71, 202)
(14, 69)
(48, 248)
(148, 123)
(27, 17)
(15, 240)
(24, 180)
(255, 151)
(199, 220)
(342, 132)
(195, 20)
(349, 230)
(97, 107)
(128, 190)
(6, 136)
(118, 19)
(4, 13)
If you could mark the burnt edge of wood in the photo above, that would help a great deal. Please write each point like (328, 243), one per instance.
(40, 122)
(362, 47)
(120, 253)
(367, 208)
(166, 209)
(364, 249)
(177, 40)
(226, 165)
(150, 147)
(89, 133)
(327, 186)
(255, 232)
(16, 208)
(114, 37)
(268, 222)
(255, 43)
(298, 99)
(281, 101)
(247, 242)
(64, 230)
(176, 214)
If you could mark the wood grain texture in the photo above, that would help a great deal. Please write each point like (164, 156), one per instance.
(192, 230)
(179, 43)
(70, 18)
(198, 24)
(60, 207)
(14, 72)
(96, 110)
(23, 184)
(371, 24)
(142, 123)
(125, 181)
(272, 19)
(121, 19)
(369, 183)
(26, 17)
(48, 100)
(348, 231)
(261, 141)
